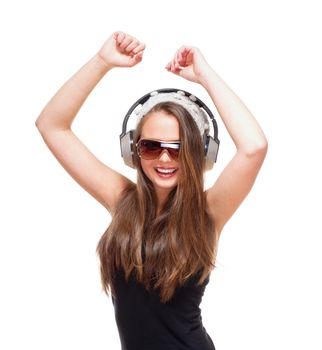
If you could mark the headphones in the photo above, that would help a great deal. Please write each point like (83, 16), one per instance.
(211, 143)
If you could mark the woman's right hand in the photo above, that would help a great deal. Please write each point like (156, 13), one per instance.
(121, 50)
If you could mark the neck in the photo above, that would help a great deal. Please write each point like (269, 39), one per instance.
(162, 195)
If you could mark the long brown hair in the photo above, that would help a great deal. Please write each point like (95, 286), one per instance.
(162, 250)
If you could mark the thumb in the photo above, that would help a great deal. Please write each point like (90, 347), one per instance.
(170, 68)
(136, 59)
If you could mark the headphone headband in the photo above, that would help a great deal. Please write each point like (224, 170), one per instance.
(147, 96)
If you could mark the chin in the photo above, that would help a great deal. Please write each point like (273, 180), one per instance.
(164, 182)
(165, 187)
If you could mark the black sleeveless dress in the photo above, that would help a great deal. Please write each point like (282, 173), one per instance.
(144, 323)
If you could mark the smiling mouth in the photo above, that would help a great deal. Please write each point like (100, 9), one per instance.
(166, 172)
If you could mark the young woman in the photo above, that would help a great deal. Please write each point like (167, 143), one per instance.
(157, 254)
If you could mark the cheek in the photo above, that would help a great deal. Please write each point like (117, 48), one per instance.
(146, 166)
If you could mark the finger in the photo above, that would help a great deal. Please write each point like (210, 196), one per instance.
(181, 59)
(171, 66)
(139, 56)
(131, 45)
(174, 61)
(125, 42)
(174, 64)
(173, 70)
(182, 55)
(184, 51)
(178, 55)
(140, 47)
(119, 36)
(115, 34)
(187, 52)
(138, 50)
(135, 47)
(135, 59)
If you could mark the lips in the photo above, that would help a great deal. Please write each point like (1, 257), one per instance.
(166, 172)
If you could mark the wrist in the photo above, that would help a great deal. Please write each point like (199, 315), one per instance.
(206, 77)
(102, 64)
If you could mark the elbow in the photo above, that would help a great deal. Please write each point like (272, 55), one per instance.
(40, 128)
(43, 126)
(257, 149)
(262, 147)
(38, 123)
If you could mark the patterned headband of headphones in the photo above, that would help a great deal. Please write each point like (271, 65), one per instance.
(188, 102)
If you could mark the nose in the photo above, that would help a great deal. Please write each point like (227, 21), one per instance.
(165, 156)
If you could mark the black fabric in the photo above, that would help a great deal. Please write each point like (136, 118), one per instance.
(144, 323)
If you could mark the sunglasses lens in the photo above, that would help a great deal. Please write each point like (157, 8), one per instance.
(174, 153)
(149, 149)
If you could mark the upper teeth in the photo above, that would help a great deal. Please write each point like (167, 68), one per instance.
(166, 171)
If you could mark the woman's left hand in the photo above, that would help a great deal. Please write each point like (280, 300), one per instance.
(189, 63)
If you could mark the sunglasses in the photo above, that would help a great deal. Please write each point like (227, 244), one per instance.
(151, 149)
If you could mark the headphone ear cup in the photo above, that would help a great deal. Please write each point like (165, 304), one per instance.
(211, 147)
(126, 142)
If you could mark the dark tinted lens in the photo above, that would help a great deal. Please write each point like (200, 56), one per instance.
(149, 149)
(174, 153)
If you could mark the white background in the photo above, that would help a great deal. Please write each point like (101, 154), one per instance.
(266, 291)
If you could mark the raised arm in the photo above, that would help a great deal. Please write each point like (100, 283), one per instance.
(54, 122)
(238, 177)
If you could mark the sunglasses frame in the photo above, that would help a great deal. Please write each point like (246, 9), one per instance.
(163, 145)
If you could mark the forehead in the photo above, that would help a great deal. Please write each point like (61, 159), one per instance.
(161, 126)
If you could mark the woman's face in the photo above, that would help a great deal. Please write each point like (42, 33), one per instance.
(163, 171)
